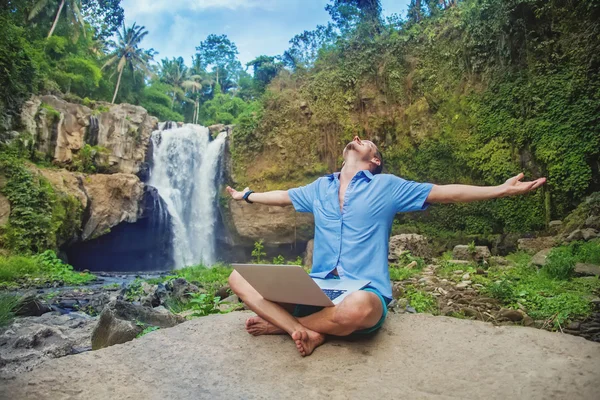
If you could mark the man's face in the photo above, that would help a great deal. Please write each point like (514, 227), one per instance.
(364, 149)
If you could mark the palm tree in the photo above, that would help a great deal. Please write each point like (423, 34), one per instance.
(73, 9)
(194, 83)
(127, 53)
(174, 73)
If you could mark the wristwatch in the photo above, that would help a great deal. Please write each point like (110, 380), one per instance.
(248, 193)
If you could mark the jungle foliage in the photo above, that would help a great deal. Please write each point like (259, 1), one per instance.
(471, 91)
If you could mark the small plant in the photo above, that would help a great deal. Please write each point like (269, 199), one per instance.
(279, 260)
(204, 304)
(471, 248)
(7, 306)
(134, 290)
(297, 261)
(258, 252)
(560, 263)
(421, 301)
(147, 329)
(401, 274)
(501, 290)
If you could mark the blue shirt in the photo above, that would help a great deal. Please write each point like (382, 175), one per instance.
(357, 237)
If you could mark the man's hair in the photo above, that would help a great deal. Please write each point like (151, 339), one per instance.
(379, 168)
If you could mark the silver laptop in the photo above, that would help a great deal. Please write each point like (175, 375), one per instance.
(291, 284)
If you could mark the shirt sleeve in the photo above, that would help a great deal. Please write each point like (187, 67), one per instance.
(408, 195)
(303, 197)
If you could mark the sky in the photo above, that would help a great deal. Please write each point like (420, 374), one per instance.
(257, 27)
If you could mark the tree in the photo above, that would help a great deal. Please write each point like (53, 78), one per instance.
(219, 51)
(105, 16)
(347, 13)
(174, 72)
(127, 53)
(194, 83)
(73, 11)
(305, 46)
(265, 69)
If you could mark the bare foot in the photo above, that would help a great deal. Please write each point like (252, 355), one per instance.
(307, 341)
(257, 326)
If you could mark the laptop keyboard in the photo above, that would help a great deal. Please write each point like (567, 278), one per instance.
(333, 294)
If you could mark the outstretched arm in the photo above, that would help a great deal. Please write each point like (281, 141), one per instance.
(273, 198)
(467, 193)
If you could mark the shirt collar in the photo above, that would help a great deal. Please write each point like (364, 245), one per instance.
(366, 173)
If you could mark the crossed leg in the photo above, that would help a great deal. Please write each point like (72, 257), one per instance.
(360, 310)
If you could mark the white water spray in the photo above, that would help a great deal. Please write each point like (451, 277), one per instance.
(184, 172)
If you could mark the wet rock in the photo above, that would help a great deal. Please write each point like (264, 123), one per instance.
(418, 245)
(223, 292)
(29, 341)
(466, 277)
(458, 272)
(534, 245)
(464, 252)
(120, 321)
(574, 326)
(31, 305)
(540, 257)
(462, 285)
(555, 223)
(181, 290)
(587, 269)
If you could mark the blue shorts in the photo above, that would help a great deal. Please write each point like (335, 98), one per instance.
(302, 310)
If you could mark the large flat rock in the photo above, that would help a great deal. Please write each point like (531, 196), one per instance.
(413, 356)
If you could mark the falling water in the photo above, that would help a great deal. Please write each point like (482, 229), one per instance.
(184, 171)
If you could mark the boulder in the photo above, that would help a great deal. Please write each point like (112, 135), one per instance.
(31, 305)
(121, 322)
(275, 225)
(593, 221)
(308, 254)
(533, 245)
(587, 269)
(575, 235)
(464, 252)
(589, 233)
(181, 289)
(418, 245)
(539, 258)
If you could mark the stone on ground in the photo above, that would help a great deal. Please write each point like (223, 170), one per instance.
(587, 269)
(121, 322)
(464, 252)
(418, 245)
(413, 356)
(540, 257)
(534, 245)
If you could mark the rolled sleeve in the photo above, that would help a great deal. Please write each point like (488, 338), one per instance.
(304, 196)
(410, 196)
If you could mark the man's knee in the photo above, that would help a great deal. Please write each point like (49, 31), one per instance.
(236, 282)
(356, 310)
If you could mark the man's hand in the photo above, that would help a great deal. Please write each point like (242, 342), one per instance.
(273, 198)
(235, 194)
(467, 193)
(514, 186)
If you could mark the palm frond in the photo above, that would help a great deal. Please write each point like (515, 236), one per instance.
(37, 8)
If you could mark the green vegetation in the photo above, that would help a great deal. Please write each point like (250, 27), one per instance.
(258, 253)
(209, 278)
(41, 269)
(421, 301)
(7, 308)
(40, 217)
(399, 272)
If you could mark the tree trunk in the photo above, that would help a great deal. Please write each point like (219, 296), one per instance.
(62, 4)
(117, 88)
(197, 110)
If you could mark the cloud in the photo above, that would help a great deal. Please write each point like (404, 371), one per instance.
(139, 7)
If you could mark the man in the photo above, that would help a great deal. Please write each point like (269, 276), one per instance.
(354, 210)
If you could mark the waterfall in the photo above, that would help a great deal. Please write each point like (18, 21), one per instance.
(185, 172)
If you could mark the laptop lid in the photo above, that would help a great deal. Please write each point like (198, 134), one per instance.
(283, 284)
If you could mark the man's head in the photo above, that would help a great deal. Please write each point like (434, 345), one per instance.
(364, 151)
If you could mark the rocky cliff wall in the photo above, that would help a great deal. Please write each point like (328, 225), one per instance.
(61, 129)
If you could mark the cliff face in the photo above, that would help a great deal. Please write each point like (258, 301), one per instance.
(61, 129)
(107, 200)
